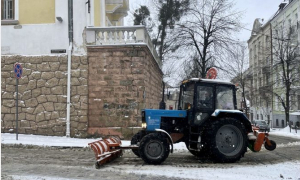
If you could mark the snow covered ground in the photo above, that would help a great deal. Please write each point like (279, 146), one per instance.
(25, 139)
(286, 132)
(286, 170)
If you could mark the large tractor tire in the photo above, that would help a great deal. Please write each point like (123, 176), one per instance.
(135, 140)
(154, 148)
(227, 140)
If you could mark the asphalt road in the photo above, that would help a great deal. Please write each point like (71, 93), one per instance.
(32, 162)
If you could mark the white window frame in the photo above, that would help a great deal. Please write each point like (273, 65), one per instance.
(15, 20)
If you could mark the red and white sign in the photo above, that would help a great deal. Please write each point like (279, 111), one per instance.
(18, 70)
(212, 73)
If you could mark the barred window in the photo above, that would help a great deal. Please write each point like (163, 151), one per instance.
(8, 9)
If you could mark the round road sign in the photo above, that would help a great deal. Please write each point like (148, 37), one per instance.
(18, 70)
(211, 73)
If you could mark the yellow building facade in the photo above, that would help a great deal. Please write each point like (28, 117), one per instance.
(102, 12)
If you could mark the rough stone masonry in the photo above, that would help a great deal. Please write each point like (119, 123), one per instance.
(43, 95)
(109, 87)
(122, 81)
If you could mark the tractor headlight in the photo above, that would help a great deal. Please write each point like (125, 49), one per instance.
(144, 125)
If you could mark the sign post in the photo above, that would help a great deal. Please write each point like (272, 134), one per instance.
(18, 73)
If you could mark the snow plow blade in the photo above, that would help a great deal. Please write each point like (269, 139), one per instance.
(106, 150)
(256, 139)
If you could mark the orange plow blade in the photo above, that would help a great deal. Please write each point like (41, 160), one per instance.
(257, 139)
(106, 150)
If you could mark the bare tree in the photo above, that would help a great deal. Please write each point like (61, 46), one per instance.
(237, 70)
(286, 60)
(208, 30)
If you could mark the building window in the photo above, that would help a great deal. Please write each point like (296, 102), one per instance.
(277, 123)
(282, 123)
(262, 117)
(257, 117)
(8, 9)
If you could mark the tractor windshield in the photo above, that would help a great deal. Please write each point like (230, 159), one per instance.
(224, 97)
(187, 96)
(205, 97)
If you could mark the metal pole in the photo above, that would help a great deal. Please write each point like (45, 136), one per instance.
(17, 80)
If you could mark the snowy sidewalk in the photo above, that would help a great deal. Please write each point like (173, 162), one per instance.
(39, 140)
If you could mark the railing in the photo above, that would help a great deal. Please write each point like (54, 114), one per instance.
(121, 35)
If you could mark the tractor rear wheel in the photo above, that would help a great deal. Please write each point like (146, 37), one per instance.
(227, 140)
(154, 148)
(135, 140)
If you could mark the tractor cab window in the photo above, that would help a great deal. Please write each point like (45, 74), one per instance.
(205, 97)
(224, 97)
(187, 96)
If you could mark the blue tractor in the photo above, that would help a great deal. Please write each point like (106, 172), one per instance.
(207, 121)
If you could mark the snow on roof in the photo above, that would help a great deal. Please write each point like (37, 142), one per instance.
(210, 81)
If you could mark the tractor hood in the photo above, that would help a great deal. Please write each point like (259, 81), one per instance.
(153, 117)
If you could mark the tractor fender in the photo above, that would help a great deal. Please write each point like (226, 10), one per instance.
(168, 135)
(234, 114)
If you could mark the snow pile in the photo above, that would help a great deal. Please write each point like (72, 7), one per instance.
(286, 132)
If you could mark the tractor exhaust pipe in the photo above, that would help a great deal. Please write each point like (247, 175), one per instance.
(162, 104)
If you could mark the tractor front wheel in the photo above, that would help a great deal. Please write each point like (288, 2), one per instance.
(154, 148)
(227, 140)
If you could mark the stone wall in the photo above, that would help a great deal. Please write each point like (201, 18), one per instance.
(43, 95)
(122, 81)
(109, 88)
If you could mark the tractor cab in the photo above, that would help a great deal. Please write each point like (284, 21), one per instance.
(201, 97)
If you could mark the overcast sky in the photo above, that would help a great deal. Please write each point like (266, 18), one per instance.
(252, 9)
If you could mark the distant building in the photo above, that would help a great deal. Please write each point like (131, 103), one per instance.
(172, 98)
(286, 25)
(258, 74)
(263, 72)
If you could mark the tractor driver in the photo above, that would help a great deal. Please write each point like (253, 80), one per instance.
(206, 98)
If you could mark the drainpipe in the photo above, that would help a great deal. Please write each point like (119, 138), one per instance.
(70, 24)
